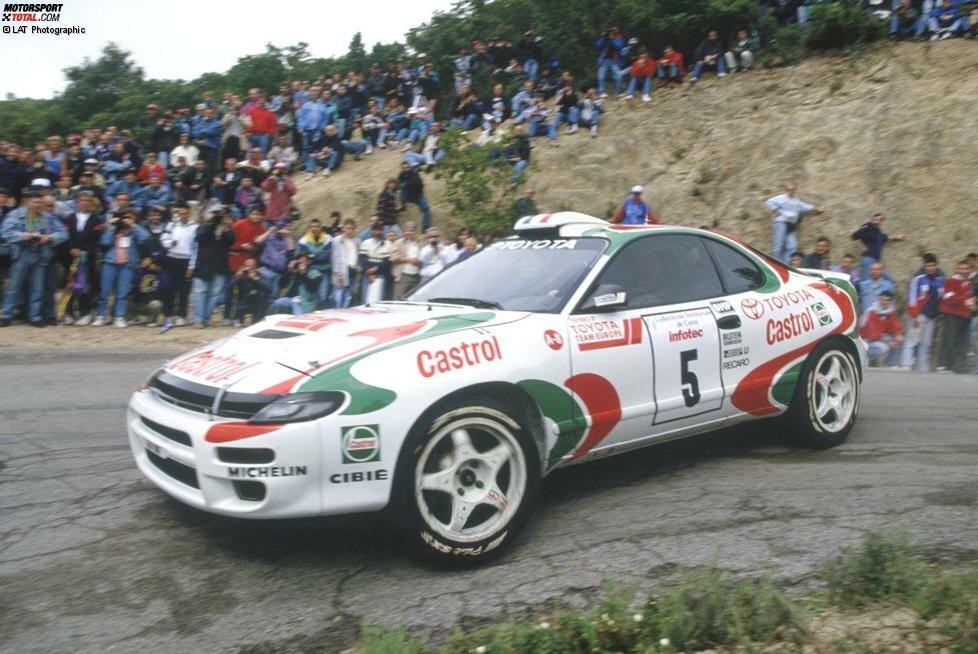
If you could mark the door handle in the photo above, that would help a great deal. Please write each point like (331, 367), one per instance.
(729, 322)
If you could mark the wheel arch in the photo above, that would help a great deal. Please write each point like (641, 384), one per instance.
(505, 393)
(847, 344)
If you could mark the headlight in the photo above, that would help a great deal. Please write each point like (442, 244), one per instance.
(299, 407)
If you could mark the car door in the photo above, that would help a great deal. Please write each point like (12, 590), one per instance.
(659, 353)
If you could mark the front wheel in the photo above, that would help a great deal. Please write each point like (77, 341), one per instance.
(468, 482)
(827, 398)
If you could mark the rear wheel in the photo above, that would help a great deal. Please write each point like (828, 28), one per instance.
(826, 401)
(468, 482)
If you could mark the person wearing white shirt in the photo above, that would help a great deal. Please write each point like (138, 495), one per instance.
(453, 251)
(185, 149)
(787, 210)
(434, 256)
(407, 261)
(179, 239)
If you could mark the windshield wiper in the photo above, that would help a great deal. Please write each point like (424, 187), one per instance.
(469, 302)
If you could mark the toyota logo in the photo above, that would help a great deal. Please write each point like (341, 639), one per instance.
(752, 308)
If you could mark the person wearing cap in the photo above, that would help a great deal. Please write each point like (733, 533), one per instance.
(121, 242)
(146, 123)
(881, 328)
(634, 210)
(31, 235)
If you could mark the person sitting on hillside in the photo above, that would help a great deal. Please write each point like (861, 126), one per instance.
(609, 46)
(634, 210)
(740, 56)
(431, 153)
(882, 330)
(540, 117)
(549, 83)
(567, 107)
(642, 68)
(522, 100)
(946, 20)
(907, 19)
(467, 110)
(709, 54)
(669, 68)
(591, 107)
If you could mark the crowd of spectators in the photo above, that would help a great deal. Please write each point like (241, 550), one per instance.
(191, 212)
(939, 308)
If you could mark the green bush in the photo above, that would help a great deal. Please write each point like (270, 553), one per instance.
(840, 25)
(883, 568)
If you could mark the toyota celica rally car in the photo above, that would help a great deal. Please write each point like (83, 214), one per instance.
(572, 339)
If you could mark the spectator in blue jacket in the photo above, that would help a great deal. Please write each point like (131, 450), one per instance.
(875, 283)
(32, 235)
(609, 47)
(207, 134)
(310, 122)
(128, 184)
(152, 194)
(120, 243)
(946, 20)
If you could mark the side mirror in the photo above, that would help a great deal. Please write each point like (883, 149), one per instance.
(607, 297)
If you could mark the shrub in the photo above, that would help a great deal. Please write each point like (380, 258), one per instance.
(840, 25)
(882, 568)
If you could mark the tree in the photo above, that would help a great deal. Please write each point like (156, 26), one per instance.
(356, 56)
(98, 85)
(478, 190)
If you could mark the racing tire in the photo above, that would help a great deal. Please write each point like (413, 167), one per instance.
(466, 482)
(826, 402)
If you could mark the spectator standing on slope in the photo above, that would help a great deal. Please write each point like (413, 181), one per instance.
(923, 296)
(872, 239)
(956, 305)
(634, 210)
(787, 211)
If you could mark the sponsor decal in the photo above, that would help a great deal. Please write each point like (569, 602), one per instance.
(255, 472)
(463, 551)
(431, 363)
(354, 477)
(537, 244)
(721, 306)
(821, 314)
(685, 335)
(360, 444)
(594, 333)
(753, 309)
(209, 366)
(553, 339)
(735, 352)
(787, 328)
(732, 338)
(736, 363)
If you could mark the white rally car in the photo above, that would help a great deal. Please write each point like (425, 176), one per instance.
(573, 339)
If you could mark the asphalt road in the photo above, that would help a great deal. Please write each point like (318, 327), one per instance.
(93, 558)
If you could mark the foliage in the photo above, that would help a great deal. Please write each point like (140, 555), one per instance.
(883, 568)
(478, 189)
(840, 25)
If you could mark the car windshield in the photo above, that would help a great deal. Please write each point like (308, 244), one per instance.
(516, 274)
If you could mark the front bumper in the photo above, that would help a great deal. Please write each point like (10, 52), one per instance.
(277, 474)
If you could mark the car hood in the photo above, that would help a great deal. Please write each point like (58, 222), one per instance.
(282, 353)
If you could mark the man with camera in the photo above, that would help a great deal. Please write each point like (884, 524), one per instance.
(31, 236)
(609, 46)
(280, 189)
(120, 242)
(210, 264)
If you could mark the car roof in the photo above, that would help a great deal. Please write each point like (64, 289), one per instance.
(572, 224)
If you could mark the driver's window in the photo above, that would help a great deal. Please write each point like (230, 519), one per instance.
(663, 269)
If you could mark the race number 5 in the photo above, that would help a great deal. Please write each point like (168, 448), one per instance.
(690, 383)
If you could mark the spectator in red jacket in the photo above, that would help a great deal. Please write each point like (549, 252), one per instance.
(956, 304)
(670, 67)
(880, 327)
(280, 190)
(149, 168)
(264, 126)
(642, 68)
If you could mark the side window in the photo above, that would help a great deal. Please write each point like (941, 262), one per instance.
(739, 274)
(663, 269)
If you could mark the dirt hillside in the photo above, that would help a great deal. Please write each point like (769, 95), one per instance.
(893, 130)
